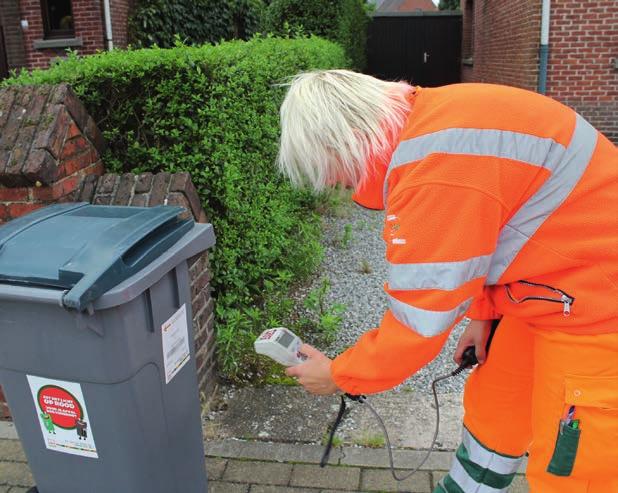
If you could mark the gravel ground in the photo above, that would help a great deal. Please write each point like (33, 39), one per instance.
(357, 271)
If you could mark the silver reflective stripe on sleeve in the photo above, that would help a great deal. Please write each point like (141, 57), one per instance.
(437, 275)
(529, 218)
(567, 165)
(427, 323)
(538, 151)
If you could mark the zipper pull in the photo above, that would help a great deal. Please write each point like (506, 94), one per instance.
(566, 310)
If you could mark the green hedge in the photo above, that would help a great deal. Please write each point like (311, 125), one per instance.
(342, 21)
(160, 22)
(213, 111)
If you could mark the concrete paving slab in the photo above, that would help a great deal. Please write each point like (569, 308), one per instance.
(11, 450)
(288, 414)
(366, 457)
(275, 412)
(272, 473)
(341, 478)
(215, 467)
(8, 431)
(382, 480)
(223, 487)
(410, 420)
(15, 474)
(261, 488)
(267, 451)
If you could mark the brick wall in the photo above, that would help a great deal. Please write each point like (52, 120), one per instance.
(583, 45)
(48, 144)
(120, 15)
(506, 42)
(88, 21)
(50, 152)
(89, 26)
(14, 40)
(467, 41)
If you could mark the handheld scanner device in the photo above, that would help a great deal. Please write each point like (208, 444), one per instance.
(280, 344)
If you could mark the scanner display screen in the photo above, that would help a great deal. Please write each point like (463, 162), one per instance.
(285, 339)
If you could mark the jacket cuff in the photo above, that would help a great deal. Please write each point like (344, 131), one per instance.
(482, 309)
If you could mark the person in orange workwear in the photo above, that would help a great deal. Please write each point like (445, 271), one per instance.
(499, 204)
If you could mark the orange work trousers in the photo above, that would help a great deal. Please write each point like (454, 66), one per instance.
(533, 383)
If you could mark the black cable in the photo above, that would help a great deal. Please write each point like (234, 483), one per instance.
(468, 360)
(333, 430)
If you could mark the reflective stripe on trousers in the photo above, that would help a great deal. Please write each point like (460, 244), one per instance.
(477, 469)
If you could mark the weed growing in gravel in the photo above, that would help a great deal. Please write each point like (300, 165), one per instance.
(371, 440)
(365, 267)
(335, 201)
(346, 239)
(337, 441)
(324, 319)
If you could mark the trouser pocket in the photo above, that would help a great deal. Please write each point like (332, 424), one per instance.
(565, 451)
(587, 443)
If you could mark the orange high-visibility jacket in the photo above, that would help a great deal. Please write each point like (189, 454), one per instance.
(498, 201)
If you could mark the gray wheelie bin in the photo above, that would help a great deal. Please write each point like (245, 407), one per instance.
(96, 347)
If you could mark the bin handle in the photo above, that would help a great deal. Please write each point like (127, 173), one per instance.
(120, 251)
(150, 245)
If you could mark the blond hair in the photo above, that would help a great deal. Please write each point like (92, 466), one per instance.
(333, 122)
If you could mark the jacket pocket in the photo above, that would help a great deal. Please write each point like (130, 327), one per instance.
(591, 445)
(530, 292)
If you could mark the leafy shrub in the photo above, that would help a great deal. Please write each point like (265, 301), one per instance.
(161, 22)
(213, 111)
(342, 21)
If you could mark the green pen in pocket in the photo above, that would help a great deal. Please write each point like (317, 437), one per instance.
(565, 451)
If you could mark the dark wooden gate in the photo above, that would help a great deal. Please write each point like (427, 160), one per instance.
(4, 64)
(423, 48)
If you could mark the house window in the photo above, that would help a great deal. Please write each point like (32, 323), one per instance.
(57, 18)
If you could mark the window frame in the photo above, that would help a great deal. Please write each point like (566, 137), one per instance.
(48, 32)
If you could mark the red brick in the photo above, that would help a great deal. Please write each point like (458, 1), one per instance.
(18, 209)
(70, 184)
(73, 131)
(77, 162)
(48, 193)
(74, 146)
(4, 216)
(96, 168)
(13, 194)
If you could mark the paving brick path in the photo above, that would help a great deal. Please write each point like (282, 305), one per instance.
(236, 466)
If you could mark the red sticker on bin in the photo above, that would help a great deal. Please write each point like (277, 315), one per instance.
(63, 408)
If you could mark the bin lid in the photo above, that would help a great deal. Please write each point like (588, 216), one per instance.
(86, 249)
